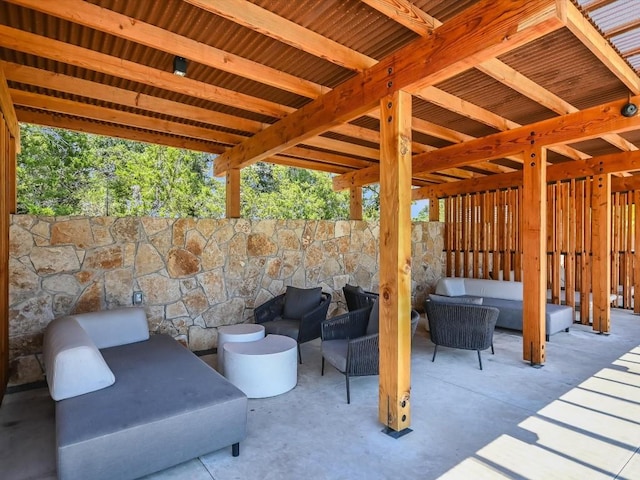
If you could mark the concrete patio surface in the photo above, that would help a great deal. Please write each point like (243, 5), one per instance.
(578, 417)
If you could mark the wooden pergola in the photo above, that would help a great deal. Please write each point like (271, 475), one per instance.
(430, 98)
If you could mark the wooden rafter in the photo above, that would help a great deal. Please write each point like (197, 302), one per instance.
(460, 43)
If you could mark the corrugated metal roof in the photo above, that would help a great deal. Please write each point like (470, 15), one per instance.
(559, 63)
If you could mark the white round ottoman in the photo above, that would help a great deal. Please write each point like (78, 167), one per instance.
(242, 332)
(263, 368)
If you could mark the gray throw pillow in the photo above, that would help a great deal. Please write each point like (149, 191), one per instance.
(374, 319)
(299, 301)
(458, 300)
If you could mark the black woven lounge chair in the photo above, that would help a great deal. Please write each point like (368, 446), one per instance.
(297, 313)
(358, 298)
(465, 326)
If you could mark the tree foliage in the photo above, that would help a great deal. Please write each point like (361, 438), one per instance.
(68, 173)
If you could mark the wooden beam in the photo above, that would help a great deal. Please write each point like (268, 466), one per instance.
(58, 121)
(395, 262)
(355, 203)
(480, 32)
(6, 107)
(407, 14)
(582, 28)
(434, 209)
(233, 193)
(612, 163)
(271, 25)
(30, 43)
(601, 252)
(573, 127)
(122, 26)
(534, 264)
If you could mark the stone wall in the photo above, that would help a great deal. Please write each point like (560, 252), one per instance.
(195, 274)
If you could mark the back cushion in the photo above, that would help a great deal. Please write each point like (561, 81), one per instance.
(299, 301)
(451, 287)
(374, 319)
(73, 364)
(458, 300)
(493, 288)
(120, 326)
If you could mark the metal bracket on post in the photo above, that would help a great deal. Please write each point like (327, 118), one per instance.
(390, 431)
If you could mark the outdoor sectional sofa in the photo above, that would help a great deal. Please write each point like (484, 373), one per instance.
(129, 404)
(507, 297)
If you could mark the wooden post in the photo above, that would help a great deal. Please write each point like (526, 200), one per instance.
(601, 245)
(355, 203)
(534, 255)
(233, 193)
(434, 209)
(395, 261)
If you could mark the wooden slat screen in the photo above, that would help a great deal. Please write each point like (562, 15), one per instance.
(483, 240)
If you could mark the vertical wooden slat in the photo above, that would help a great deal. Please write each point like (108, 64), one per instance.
(585, 261)
(5, 204)
(601, 247)
(483, 237)
(616, 246)
(355, 203)
(233, 193)
(395, 261)
(628, 257)
(508, 234)
(636, 251)
(458, 236)
(518, 239)
(449, 234)
(570, 258)
(534, 236)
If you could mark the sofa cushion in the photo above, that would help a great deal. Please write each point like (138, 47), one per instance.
(451, 287)
(480, 287)
(109, 328)
(74, 365)
(299, 301)
(461, 299)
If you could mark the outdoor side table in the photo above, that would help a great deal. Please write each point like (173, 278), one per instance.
(241, 332)
(264, 368)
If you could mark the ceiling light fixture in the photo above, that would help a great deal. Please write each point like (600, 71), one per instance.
(180, 66)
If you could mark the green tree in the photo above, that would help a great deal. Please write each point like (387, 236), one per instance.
(53, 170)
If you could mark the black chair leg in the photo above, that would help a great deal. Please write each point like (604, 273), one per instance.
(493, 352)
(479, 359)
(348, 392)
(322, 371)
(235, 449)
(299, 355)
(435, 350)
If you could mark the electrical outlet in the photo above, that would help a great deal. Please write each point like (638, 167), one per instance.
(137, 298)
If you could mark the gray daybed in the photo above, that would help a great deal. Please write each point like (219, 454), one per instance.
(506, 297)
(128, 404)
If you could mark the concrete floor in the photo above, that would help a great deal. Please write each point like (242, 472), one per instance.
(578, 417)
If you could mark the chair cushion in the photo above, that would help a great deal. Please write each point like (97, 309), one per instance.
(374, 319)
(353, 288)
(298, 301)
(458, 300)
(282, 326)
(335, 352)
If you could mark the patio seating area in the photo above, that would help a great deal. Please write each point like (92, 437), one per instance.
(569, 419)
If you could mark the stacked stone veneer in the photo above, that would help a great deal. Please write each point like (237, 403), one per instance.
(195, 274)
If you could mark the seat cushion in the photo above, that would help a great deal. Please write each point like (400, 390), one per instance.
(282, 326)
(335, 352)
(298, 301)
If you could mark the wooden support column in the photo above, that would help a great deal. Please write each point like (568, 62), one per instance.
(395, 261)
(233, 193)
(434, 209)
(355, 203)
(601, 245)
(534, 262)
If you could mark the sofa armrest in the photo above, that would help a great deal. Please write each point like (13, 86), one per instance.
(110, 328)
(73, 364)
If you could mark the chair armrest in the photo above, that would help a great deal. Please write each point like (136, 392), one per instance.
(363, 355)
(269, 309)
(349, 325)
(310, 321)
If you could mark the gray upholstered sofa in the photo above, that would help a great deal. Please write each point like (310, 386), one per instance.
(507, 297)
(129, 404)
